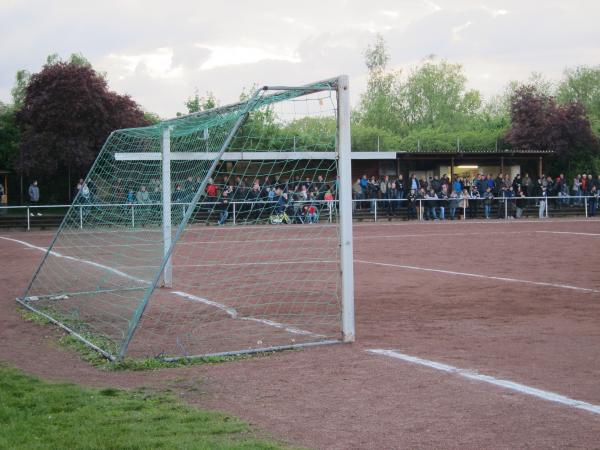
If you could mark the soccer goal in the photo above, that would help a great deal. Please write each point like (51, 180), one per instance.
(222, 232)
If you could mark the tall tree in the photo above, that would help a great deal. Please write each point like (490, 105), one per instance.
(538, 122)
(378, 105)
(67, 114)
(582, 85)
(196, 103)
(435, 93)
(9, 136)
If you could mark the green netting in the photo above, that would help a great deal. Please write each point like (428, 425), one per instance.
(254, 250)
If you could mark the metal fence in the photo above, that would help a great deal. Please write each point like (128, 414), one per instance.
(420, 209)
(29, 213)
(475, 208)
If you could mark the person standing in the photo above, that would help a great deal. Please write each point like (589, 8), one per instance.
(223, 206)
(593, 201)
(543, 203)
(520, 204)
(488, 198)
(411, 209)
(34, 195)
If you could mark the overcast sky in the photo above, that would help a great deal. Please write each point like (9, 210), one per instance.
(160, 51)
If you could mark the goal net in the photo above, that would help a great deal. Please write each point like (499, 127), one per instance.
(221, 232)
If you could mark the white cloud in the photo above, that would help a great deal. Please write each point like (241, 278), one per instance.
(495, 12)
(221, 56)
(457, 31)
(432, 6)
(391, 14)
(157, 64)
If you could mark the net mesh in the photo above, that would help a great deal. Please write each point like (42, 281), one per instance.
(254, 240)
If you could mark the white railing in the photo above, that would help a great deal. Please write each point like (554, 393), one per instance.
(236, 207)
(420, 209)
(504, 207)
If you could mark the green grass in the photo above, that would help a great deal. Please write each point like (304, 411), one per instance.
(39, 415)
(94, 358)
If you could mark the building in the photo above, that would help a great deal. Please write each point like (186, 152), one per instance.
(427, 163)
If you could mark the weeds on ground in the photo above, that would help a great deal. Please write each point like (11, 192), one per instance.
(94, 358)
(38, 414)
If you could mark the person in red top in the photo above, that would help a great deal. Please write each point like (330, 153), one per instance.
(211, 191)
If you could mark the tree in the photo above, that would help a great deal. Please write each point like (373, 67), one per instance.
(538, 122)
(196, 103)
(435, 93)
(67, 114)
(378, 105)
(9, 136)
(582, 85)
(18, 92)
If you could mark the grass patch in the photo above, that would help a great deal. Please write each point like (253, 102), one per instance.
(94, 358)
(37, 414)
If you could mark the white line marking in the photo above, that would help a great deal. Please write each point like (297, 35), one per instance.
(231, 311)
(569, 232)
(293, 330)
(84, 261)
(472, 375)
(384, 222)
(476, 275)
(269, 263)
(234, 314)
(420, 235)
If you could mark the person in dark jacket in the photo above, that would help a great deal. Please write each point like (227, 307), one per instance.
(392, 203)
(223, 207)
(520, 203)
(593, 201)
(411, 209)
(475, 198)
(488, 198)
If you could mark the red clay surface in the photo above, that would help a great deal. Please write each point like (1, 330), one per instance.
(340, 396)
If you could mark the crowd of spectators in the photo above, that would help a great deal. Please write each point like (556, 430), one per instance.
(297, 199)
(440, 198)
(434, 198)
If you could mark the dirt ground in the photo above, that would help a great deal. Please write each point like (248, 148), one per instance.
(515, 300)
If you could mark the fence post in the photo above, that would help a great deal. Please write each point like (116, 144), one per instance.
(234, 213)
(420, 209)
(28, 219)
(80, 217)
(547, 206)
(330, 207)
(505, 208)
(586, 207)
(133, 215)
(375, 201)
(464, 210)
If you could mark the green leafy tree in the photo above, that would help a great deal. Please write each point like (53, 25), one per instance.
(378, 104)
(151, 118)
(582, 85)
(196, 103)
(18, 91)
(435, 93)
(9, 136)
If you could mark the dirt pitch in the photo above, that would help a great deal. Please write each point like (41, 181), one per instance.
(517, 301)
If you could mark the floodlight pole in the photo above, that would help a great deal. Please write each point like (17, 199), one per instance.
(345, 206)
(167, 280)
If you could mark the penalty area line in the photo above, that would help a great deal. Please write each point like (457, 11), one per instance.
(230, 311)
(575, 233)
(477, 275)
(507, 384)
